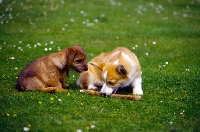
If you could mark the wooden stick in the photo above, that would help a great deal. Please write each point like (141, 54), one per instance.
(130, 97)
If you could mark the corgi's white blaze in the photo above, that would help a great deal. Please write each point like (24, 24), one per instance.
(137, 86)
(106, 90)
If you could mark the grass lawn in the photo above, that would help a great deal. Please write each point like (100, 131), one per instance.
(165, 35)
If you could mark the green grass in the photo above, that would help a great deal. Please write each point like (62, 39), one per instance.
(171, 100)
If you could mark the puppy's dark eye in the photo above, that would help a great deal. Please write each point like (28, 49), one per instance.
(111, 83)
(79, 61)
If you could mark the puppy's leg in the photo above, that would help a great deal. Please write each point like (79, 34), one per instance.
(86, 81)
(52, 89)
(47, 89)
(34, 83)
(56, 84)
(59, 87)
(137, 86)
(42, 87)
(92, 87)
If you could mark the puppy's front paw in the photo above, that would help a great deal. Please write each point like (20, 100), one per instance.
(61, 90)
(95, 89)
(137, 92)
(92, 87)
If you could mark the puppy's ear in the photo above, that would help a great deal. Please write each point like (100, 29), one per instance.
(70, 54)
(98, 65)
(121, 70)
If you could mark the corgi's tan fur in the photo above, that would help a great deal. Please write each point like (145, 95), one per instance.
(113, 70)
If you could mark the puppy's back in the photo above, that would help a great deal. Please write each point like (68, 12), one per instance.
(28, 72)
(121, 53)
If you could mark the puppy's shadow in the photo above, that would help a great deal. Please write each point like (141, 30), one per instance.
(125, 90)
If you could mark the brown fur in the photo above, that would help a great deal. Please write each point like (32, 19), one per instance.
(47, 74)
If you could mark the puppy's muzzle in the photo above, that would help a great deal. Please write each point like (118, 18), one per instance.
(86, 68)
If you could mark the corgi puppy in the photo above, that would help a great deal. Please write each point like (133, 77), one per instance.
(112, 70)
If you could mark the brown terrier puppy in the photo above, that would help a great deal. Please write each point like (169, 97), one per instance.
(47, 74)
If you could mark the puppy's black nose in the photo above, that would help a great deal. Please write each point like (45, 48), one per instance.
(86, 68)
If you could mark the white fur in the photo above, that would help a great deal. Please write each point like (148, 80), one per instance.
(137, 86)
(92, 87)
(106, 89)
(130, 80)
